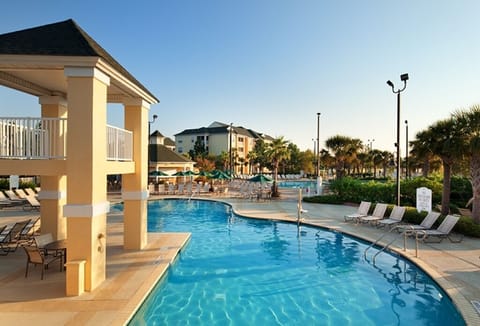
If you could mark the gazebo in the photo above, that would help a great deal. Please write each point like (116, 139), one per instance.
(71, 147)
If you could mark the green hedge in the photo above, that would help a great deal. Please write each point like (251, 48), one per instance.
(464, 226)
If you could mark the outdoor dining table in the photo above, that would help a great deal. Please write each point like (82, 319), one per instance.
(58, 245)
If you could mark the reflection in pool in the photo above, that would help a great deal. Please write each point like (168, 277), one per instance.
(241, 271)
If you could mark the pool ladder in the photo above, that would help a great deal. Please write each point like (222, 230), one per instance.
(405, 231)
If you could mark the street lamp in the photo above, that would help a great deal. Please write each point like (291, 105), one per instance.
(148, 144)
(319, 182)
(404, 78)
(370, 144)
(406, 150)
(230, 147)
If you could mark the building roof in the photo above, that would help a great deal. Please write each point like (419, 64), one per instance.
(169, 142)
(221, 128)
(62, 39)
(160, 153)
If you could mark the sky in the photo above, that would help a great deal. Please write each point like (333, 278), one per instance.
(272, 65)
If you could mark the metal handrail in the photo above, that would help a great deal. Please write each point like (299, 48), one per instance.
(407, 230)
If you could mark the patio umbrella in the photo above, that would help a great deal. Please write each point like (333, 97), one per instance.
(260, 178)
(204, 174)
(220, 175)
(179, 174)
(158, 174)
(189, 173)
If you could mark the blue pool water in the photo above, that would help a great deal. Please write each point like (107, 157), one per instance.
(238, 271)
(297, 184)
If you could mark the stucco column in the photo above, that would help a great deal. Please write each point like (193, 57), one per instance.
(53, 188)
(134, 186)
(87, 204)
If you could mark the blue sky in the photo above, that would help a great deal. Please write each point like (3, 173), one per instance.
(271, 65)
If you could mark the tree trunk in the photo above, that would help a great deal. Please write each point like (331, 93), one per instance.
(447, 169)
(475, 174)
(426, 167)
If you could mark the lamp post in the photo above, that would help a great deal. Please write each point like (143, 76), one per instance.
(230, 148)
(370, 144)
(319, 178)
(406, 150)
(154, 117)
(314, 153)
(404, 78)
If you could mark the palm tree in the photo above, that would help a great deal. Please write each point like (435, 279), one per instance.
(444, 140)
(277, 152)
(343, 148)
(468, 122)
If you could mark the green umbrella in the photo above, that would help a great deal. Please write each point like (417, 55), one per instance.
(217, 174)
(189, 173)
(204, 174)
(179, 174)
(260, 178)
(158, 174)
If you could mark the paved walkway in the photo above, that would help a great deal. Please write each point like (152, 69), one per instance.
(131, 274)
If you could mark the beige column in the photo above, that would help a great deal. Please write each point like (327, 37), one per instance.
(53, 188)
(134, 186)
(87, 204)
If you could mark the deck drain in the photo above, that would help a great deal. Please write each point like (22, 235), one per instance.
(476, 305)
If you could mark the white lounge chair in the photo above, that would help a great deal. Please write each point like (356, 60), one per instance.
(396, 216)
(361, 211)
(426, 224)
(32, 203)
(442, 232)
(376, 216)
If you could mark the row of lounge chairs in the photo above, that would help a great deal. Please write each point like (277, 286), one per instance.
(19, 233)
(27, 198)
(423, 230)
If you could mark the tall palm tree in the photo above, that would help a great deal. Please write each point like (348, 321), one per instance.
(342, 148)
(277, 152)
(468, 122)
(421, 150)
(444, 140)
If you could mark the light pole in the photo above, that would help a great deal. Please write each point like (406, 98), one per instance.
(314, 153)
(230, 147)
(404, 78)
(319, 180)
(154, 117)
(406, 150)
(370, 144)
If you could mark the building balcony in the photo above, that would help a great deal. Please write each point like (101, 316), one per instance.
(46, 138)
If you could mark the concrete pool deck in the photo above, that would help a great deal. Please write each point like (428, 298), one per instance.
(131, 274)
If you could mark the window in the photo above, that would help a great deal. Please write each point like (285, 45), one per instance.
(180, 150)
(180, 141)
(240, 139)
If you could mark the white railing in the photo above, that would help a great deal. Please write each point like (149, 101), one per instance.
(119, 144)
(33, 138)
(46, 138)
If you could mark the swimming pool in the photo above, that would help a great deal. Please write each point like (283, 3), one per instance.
(297, 184)
(238, 271)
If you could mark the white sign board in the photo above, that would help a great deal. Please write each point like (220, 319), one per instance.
(424, 199)
(14, 181)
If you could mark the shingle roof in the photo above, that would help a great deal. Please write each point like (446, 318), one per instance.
(168, 142)
(224, 130)
(64, 38)
(160, 153)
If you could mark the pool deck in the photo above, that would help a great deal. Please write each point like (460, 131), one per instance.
(131, 274)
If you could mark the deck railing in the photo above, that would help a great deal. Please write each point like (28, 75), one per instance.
(119, 144)
(46, 138)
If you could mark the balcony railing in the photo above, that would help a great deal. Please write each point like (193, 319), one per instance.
(119, 144)
(46, 138)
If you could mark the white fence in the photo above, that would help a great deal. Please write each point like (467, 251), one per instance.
(46, 138)
(119, 144)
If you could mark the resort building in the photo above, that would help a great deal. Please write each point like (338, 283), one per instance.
(220, 138)
(71, 147)
(162, 156)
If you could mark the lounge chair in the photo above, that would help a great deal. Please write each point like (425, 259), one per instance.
(426, 224)
(442, 232)
(362, 210)
(35, 256)
(396, 216)
(376, 216)
(30, 230)
(12, 196)
(32, 203)
(10, 239)
(30, 192)
(20, 193)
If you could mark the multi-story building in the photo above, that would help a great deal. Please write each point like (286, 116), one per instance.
(219, 137)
